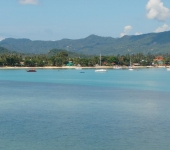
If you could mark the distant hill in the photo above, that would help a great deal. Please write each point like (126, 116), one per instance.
(153, 43)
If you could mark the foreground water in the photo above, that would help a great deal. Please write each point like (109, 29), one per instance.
(69, 110)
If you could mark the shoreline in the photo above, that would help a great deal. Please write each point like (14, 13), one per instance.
(75, 67)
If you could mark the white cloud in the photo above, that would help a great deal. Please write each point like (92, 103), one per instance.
(127, 29)
(138, 33)
(1, 38)
(165, 27)
(32, 2)
(157, 10)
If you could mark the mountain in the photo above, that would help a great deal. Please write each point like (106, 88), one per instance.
(153, 43)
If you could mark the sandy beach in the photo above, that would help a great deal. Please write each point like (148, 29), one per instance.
(75, 67)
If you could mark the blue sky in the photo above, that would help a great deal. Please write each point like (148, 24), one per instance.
(75, 19)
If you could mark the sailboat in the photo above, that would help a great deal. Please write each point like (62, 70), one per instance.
(100, 70)
(130, 67)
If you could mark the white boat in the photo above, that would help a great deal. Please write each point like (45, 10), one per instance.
(100, 70)
(149, 66)
(117, 67)
(130, 67)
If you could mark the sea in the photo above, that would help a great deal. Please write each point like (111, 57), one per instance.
(70, 109)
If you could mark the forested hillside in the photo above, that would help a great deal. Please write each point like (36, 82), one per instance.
(153, 43)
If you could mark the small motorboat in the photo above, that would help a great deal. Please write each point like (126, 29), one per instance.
(31, 70)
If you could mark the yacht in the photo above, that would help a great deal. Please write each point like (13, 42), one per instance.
(100, 70)
(130, 67)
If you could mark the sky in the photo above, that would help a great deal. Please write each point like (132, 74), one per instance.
(52, 20)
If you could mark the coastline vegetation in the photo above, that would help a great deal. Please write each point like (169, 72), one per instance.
(64, 58)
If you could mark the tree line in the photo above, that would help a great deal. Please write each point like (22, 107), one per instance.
(62, 59)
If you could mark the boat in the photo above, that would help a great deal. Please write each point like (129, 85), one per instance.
(31, 70)
(100, 70)
(117, 67)
(149, 66)
(168, 69)
(130, 67)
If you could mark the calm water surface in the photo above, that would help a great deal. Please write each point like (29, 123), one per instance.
(68, 110)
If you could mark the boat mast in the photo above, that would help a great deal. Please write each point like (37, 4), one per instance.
(100, 59)
(129, 56)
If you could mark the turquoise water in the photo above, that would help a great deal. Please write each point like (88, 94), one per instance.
(68, 110)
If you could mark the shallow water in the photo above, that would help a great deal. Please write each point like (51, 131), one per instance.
(68, 110)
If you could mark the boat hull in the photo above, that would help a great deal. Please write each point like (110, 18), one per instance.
(31, 70)
(100, 70)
